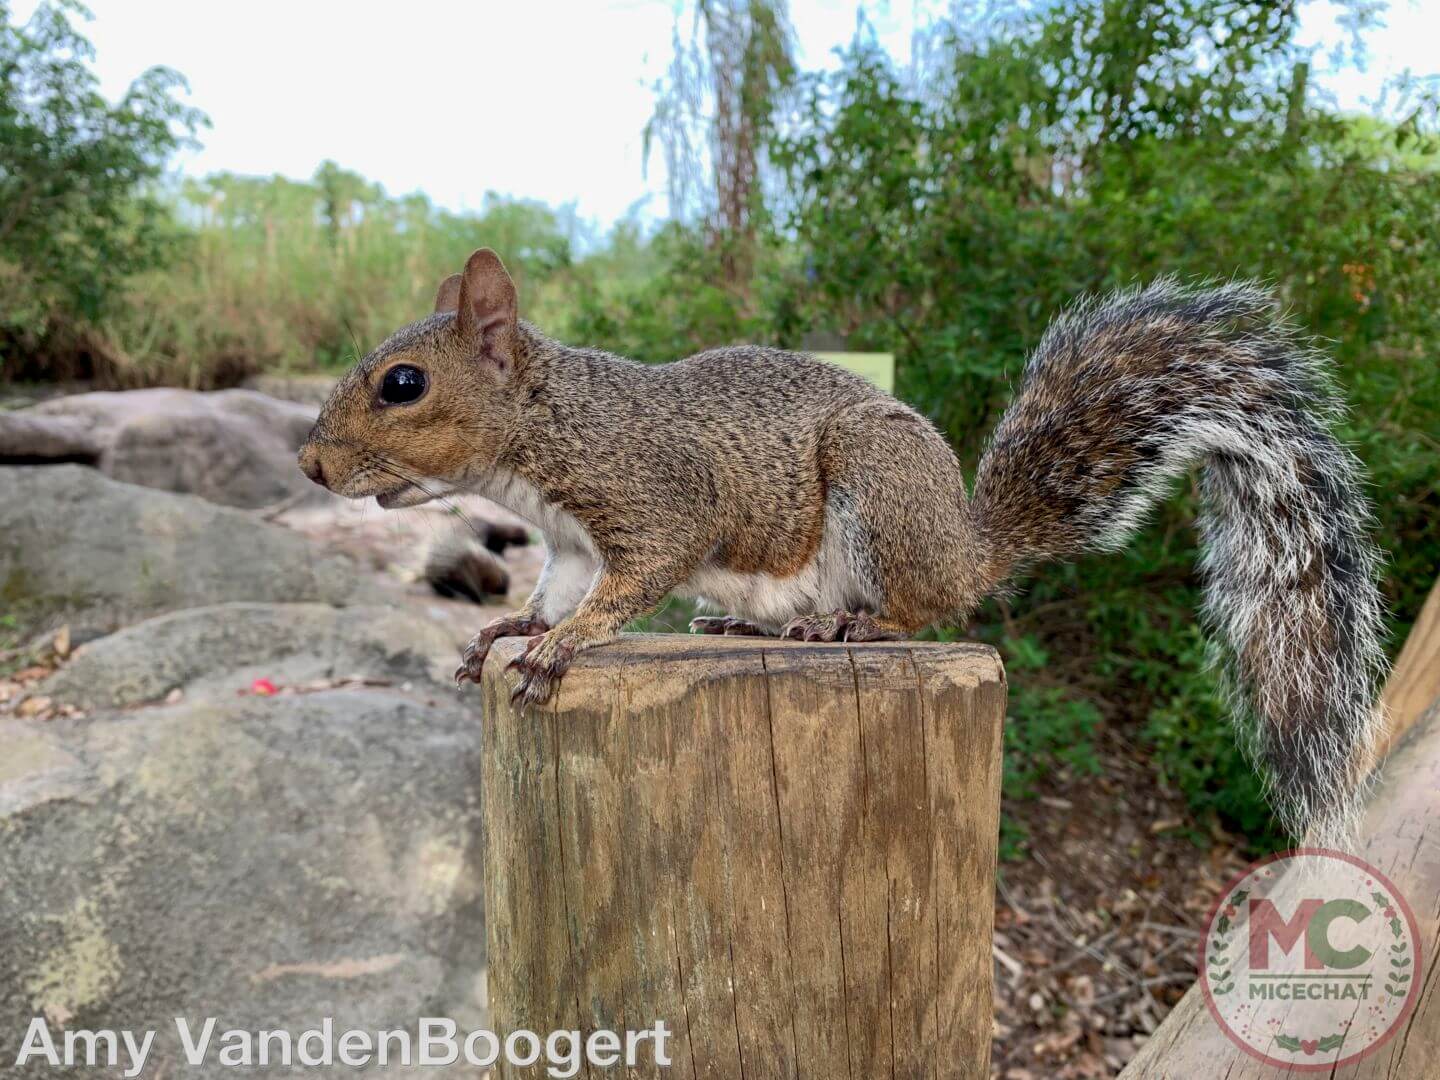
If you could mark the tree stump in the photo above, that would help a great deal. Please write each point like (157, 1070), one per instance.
(784, 851)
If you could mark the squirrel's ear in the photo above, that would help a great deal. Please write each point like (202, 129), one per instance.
(487, 307)
(447, 297)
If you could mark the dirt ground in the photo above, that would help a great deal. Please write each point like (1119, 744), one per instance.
(1098, 926)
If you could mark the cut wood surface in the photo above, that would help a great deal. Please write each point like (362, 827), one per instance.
(784, 851)
(1401, 837)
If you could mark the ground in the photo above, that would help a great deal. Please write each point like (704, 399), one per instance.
(1097, 927)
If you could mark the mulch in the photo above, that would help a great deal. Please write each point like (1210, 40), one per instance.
(1097, 928)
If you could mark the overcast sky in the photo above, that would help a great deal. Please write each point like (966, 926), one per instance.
(544, 99)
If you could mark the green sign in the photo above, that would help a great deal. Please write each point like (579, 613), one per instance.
(878, 367)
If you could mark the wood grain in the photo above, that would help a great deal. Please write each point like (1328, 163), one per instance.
(785, 851)
(1415, 681)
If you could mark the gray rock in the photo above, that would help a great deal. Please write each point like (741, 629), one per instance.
(270, 861)
(74, 543)
(307, 389)
(216, 651)
(28, 438)
(267, 861)
(235, 447)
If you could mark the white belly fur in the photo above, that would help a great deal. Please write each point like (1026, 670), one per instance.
(522, 498)
(835, 577)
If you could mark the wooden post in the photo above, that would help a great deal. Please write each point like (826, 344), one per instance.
(784, 851)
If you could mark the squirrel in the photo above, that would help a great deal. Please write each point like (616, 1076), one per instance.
(795, 498)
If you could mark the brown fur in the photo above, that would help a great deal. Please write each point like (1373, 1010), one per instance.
(727, 460)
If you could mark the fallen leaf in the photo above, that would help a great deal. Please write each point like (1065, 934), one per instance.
(33, 706)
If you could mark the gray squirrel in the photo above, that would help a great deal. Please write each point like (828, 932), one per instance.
(795, 498)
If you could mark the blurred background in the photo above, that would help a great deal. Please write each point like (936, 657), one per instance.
(195, 195)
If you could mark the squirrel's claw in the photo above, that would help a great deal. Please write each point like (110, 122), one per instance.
(533, 689)
(546, 658)
(841, 626)
(472, 660)
(829, 627)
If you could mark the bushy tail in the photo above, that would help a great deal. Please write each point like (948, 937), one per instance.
(1126, 393)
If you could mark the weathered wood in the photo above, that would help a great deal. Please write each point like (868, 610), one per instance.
(1401, 837)
(1415, 682)
(785, 851)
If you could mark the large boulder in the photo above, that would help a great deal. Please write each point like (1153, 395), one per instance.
(77, 545)
(26, 438)
(219, 650)
(267, 860)
(235, 447)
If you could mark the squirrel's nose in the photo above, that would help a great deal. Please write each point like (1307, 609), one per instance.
(311, 466)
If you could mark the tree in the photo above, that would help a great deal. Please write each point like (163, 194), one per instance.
(78, 210)
(713, 118)
(1086, 145)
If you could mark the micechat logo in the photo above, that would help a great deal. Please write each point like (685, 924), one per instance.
(1310, 960)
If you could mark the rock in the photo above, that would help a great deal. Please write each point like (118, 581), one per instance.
(235, 447)
(220, 650)
(28, 438)
(460, 559)
(471, 573)
(271, 861)
(75, 543)
(308, 389)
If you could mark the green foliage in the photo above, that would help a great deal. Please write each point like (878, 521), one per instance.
(78, 212)
(283, 274)
(1049, 730)
(679, 304)
(1085, 147)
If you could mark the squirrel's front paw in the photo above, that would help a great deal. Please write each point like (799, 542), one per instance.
(542, 663)
(472, 660)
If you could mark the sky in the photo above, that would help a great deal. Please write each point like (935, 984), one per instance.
(540, 99)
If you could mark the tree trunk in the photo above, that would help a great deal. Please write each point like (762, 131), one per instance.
(783, 851)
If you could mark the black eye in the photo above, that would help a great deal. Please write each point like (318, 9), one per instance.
(402, 384)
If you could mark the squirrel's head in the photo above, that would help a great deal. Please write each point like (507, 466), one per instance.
(428, 408)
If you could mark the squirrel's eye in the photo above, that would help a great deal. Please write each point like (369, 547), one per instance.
(402, 384)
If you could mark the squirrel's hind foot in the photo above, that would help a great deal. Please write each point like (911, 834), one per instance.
(841, 625)
(728, 626)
